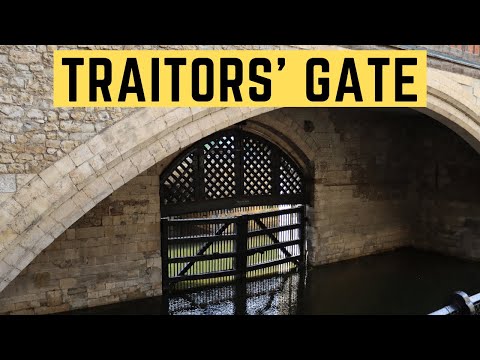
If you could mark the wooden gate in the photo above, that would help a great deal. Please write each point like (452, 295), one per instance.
(233, 207)
(229, 248)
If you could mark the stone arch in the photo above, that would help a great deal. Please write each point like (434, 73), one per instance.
(293, 144)
(451, 104)
(57, 197)
(287, 136)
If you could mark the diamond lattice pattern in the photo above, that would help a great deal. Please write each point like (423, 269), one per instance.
(219, 167)
(220, 176)
(179, 186)
(257, 174)
(290, 178)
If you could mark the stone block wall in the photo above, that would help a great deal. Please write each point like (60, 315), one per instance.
(361, 204)
(379, 183)
(362, 200)
(34, 134)
(447, 181)
(111, 254)
(382, 179)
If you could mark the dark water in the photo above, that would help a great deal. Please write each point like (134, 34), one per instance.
(400, 282)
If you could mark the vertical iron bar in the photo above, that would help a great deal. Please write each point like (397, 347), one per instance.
(241, 246)
(241, 265)
(164, 253)
(275, 172)
(238, 161)
(302, 236)
(200, 175)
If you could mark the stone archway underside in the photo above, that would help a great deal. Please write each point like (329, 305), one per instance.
(53, 200)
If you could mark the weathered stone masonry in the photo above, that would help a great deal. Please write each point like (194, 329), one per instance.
(447, 181)
(111, 254)
(362, 199)
(95, 152)
(365, 200)
(34, 134)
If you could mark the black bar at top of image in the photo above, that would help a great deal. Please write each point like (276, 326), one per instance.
(240, 25)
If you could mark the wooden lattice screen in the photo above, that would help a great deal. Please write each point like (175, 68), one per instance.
(229, 169)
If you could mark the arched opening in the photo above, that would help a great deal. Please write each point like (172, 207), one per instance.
(233, 207)
(51, 203)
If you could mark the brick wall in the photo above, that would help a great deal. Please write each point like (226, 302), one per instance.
(466, 52)
(471, 49)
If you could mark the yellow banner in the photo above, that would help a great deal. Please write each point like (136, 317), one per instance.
(226, 78)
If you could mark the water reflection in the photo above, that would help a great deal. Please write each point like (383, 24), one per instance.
(276, 295)
(399, 282)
